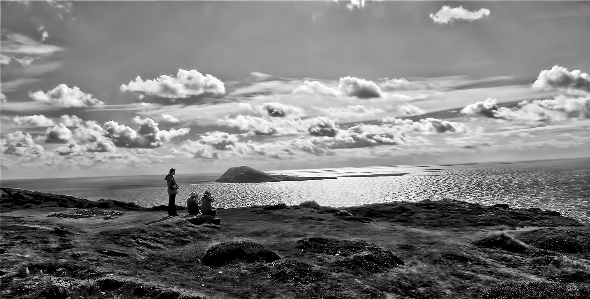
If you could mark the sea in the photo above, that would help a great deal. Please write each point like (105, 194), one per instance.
(558, 185)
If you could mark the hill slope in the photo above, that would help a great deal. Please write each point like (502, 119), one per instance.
(245, 174)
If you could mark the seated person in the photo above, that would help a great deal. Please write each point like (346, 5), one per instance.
(191, 204)
(206, 208)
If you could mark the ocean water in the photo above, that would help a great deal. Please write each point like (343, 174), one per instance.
(559, 185)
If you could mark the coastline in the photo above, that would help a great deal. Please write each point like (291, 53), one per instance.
(56, 245)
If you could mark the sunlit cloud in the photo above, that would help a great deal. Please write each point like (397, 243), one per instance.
(485, 108)
(428, 125)
(557, 109)
(64, 96)
(34, 121)
(447, 14)
(408, 109)
(148, 136)
(169, 118)
(560, 78)
(185, 84)
(20, 144)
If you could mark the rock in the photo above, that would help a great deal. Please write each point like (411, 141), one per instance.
(310, 204)
(243, 251)
(342, 213)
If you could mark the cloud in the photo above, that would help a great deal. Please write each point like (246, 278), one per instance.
(447, 14)
(321, 126)
(278, 126)
(485, 108)
(560, 78)
(360, 88)
(58, 134)
(23, 48)
(401, 84)
(408, 109)
(428, 125)
(169, 118)
(2, 98)
(184, 85)
(349, 86)
(316, 88)
(20, 144)
(559, 108)
(34, 120)
(65, 96)
(349, 113)
(219, 140)
(148, 135)
(198, 150)
(71, 121)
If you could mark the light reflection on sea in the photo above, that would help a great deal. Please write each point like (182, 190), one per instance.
(560, 185)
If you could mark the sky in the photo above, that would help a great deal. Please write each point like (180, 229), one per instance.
(100, 88)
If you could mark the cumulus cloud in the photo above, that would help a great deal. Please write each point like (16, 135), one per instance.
(185, 84)
(65, 96)
(34, 120)
(485, 108)
(148, 135)
(256, 125)
(58, 134)
(349, 86)
(199, 150)
(428, 125)
(2, 97)
(316, 88)
(401, 84)
(71, 121)
(20, 144)
(360, 88)
(447, 14)
(219, 140)
(560, 78)
(321, 126)
(278, 126)
(559, 108)
(408, 109)
(169, 118)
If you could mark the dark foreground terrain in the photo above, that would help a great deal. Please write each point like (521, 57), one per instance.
(55, 246)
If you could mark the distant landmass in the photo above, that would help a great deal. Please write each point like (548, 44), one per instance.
(246, 174)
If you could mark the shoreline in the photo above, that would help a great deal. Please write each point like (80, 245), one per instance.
(61, 246)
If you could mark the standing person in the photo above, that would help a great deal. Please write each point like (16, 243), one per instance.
(206, 208)
(172, 191)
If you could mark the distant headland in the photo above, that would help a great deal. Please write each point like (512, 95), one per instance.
(246, 174)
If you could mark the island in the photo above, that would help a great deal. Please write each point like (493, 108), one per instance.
(246, 174)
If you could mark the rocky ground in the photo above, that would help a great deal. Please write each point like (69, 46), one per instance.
(55, 246)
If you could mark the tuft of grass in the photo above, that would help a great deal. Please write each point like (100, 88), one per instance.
(242, 251)
(503, 242)
(537, 290)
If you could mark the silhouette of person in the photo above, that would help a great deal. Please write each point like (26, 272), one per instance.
(206, 208)
(172, 191)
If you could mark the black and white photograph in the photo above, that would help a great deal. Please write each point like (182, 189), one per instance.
(334, 149)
